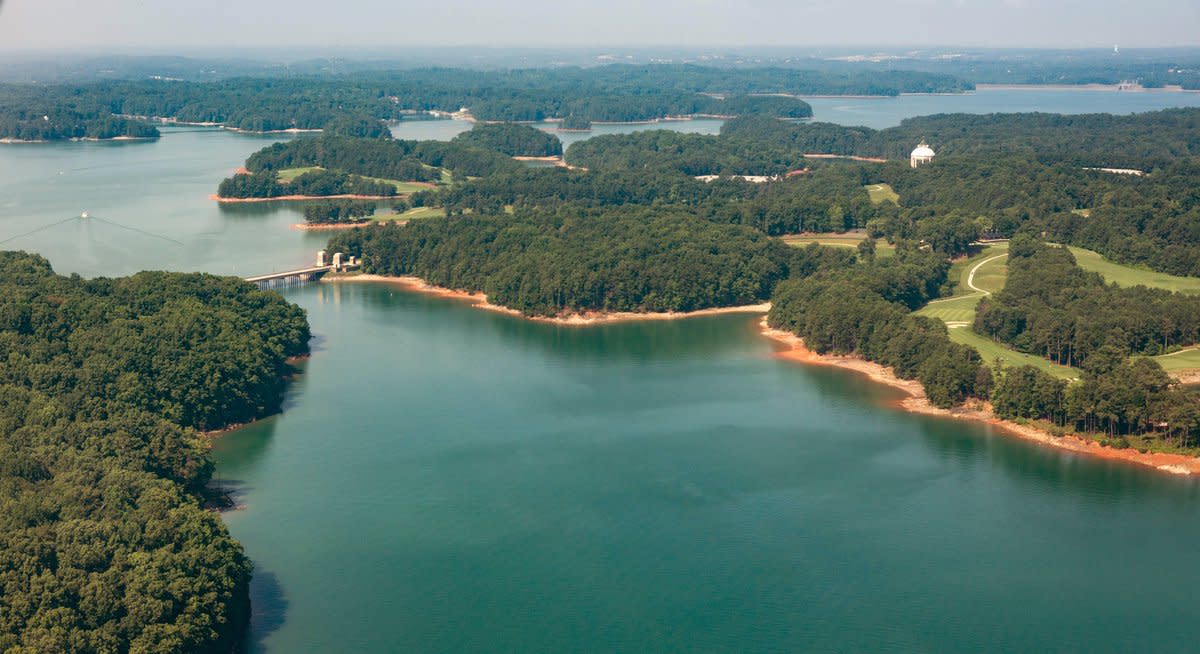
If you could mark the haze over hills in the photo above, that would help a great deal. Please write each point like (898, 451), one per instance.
(299, 23)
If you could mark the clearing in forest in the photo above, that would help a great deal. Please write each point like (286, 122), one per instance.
(974, 278)
(846, 239)
(288, 174)
(881, 193)
(1123, 275)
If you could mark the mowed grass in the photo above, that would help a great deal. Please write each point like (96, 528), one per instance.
(403, 188)
(849, 240)
(991, 351)
(881, 193)
(289, 174)
(1123, 275)
(958, 310)
(1188, 359)
(990, 276)
(416, 213)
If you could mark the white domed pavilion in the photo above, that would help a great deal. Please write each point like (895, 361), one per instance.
(921, 156)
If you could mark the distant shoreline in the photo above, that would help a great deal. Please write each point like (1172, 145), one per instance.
(1114, 88)
(916, 402)
(83, 139)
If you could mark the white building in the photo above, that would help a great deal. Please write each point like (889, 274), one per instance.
(921, 156)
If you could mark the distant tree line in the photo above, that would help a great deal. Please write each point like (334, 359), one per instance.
(104, 542)
(355, 104)
(1098, 140)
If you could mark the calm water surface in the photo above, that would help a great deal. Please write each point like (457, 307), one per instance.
(450, 480)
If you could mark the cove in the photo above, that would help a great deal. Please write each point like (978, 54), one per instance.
(450, 479)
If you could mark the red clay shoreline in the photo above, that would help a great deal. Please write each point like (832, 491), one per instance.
(792, 348)
(480, 301)
(916, 402)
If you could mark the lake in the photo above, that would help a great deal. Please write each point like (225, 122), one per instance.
(880, 113)
(449, 479)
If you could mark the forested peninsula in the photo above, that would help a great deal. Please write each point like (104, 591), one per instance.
(645, 228)
(106, 384)
(358, 104)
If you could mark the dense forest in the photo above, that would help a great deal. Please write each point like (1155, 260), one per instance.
(313, 183)
(865, 310)
(354, 105)
(1100, 140)
(1055, 309)
(691, 154)
(333, 213)
(830, 198)
(39, 114)
(359, 166)
(575, 260)
(1000, 173)
(103, 384)
(512, 140)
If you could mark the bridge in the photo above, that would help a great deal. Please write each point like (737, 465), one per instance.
(301, 276)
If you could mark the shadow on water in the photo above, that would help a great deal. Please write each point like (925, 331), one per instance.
(257, 209)
(239, 453)
(628, 341)
(968, 443)
(268, 610)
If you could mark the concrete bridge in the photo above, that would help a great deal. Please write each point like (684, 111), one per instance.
(301, 276)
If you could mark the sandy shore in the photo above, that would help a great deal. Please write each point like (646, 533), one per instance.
(916, 402)
(302, 198)
(480, 301)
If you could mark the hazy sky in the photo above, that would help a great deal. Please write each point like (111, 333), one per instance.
(166, 24)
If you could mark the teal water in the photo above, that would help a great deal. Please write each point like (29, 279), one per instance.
(445, 479)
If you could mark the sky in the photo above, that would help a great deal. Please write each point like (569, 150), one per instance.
(164, 25)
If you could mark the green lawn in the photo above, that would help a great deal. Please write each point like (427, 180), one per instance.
(850, 240)
(419, 213)
(1123, 275)
(991, 350)
(1188, 359)
(975, 277)
(881, 193)
(289, 174)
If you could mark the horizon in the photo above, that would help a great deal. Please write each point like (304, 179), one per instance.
(116, 26)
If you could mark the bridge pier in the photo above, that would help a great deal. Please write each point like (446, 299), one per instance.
(292, 278)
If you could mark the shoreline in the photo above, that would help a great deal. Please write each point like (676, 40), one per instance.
(1115, 88)
(301, 198)
(78, 139)
(916, 402)
(480, 301)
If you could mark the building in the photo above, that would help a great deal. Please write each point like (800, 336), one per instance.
(921, 156)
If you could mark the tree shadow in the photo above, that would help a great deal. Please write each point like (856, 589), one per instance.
(268, 610)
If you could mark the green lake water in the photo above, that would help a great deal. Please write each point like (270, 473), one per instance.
(445, 479)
